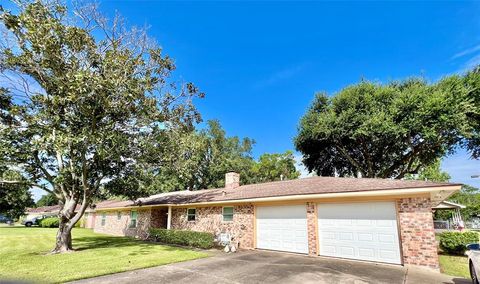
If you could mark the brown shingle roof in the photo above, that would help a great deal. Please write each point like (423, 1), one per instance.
(44, 209)
(47, 209)
(305, 186)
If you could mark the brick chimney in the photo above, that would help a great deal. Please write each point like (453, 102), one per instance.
(232, 180)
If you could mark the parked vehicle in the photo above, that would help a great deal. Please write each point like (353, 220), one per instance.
(473, 253)
(35, 221)
(5, 219)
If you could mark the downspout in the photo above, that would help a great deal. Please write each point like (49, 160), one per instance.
(169, 218)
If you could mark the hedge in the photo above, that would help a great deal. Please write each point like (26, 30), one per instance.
(50, 222)
(455, 242)
(184, 238)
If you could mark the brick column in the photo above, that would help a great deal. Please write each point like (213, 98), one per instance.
(312, 228)
(417, 233)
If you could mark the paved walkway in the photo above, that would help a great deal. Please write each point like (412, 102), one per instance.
(273, 267)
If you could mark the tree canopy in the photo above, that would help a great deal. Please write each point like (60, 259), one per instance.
(472, 83)
(432, 172)
(385, 130)
(199, 160)
(15, 197)
(273, 167)
(89, 95)
(89, 111)
(47, 200)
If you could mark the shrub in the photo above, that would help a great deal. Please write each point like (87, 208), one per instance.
(185, 238)
(455, 242)
(50, 222)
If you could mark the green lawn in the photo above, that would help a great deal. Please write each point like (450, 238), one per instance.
(454, 265)
(24, 255)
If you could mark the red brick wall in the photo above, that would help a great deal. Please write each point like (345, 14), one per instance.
(417, 234)
(121, 227)
(89, 220)
(159, 217)
(210, 219)
(312, 228)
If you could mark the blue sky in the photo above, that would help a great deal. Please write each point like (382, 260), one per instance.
(260, 63)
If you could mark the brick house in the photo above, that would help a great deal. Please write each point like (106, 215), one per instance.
(375, 220)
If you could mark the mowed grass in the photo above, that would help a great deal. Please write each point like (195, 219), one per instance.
(454, 265)
(24, 255)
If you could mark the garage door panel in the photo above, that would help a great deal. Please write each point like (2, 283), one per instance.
(365, 237)
(345, 236)
(366, 252)
(387, 254)
(329, 250)
(354, 231)
(328, 236)
(282, 228)
(347, 251)
(388, 239)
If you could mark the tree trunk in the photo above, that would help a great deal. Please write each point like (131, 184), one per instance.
(64, 236)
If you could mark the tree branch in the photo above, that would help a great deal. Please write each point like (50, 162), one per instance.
(345, 154)
(47, 175)
(43, 187)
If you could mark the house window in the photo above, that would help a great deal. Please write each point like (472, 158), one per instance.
(104, 218)
(133, 219)
(119, 215)
(191, 212)
(227, 214)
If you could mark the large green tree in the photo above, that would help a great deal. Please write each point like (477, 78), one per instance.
(273, 167)
(472, 84)
(199, 160)
(432, 172)
(89, 95)
(14, 197)
(383, 130)
(47, 200)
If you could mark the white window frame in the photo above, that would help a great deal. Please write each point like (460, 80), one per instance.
(104, 219)
(223, 213)
(132, 225)
(194, 215)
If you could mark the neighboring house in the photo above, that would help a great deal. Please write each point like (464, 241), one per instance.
(47, 211)
(455, 223)
(42, 211)
(376, 220)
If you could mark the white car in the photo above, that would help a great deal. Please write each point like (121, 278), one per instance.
(473, 253)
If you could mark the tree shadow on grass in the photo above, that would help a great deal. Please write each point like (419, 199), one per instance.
(100, 242)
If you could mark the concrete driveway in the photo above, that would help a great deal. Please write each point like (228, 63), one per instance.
(273, 267)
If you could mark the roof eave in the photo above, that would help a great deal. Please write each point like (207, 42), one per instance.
(437, 195)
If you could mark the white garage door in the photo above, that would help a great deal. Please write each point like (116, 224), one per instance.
(366, 231)
(282, 228)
